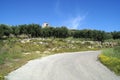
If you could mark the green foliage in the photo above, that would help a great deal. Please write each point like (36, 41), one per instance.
(1, 77)
(116, 35)
(9, 51)
(92, 34)
(15, 30)
(117, 51)
(111, 62)
(109, 36)
(112, 52)
(61, 32)
(33, 30)
(47, 32)
(5, 30)
(111, 58)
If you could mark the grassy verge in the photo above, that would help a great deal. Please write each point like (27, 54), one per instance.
(16, 52)
(111, 58)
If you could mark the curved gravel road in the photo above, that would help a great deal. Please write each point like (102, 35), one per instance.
(70, 66)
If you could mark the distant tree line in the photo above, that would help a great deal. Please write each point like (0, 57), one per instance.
(35, 30)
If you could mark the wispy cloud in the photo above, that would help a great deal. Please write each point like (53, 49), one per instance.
(68, 19)
(57, 8)
(75, 22)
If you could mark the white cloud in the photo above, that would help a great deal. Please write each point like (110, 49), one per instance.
(57, 8)
(68, 20)
(74, 23)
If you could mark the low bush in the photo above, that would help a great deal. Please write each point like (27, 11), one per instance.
(111, 59)
(14, 53)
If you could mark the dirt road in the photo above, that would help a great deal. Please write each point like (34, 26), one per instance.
(66, 66)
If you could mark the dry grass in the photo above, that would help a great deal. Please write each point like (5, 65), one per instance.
(14, 53)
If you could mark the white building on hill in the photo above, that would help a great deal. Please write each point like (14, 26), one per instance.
(45, 25)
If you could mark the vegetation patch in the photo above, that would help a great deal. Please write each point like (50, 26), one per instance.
(111, 59)
(21, 43)
(16, 52)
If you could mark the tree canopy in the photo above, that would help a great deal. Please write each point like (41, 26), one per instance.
(35, 30)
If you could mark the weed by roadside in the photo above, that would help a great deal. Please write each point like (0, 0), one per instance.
(111, 58)
(16, 52)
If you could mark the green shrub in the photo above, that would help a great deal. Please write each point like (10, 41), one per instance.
(111, 58)
(116, 51)
(4, 57)
(1, 77)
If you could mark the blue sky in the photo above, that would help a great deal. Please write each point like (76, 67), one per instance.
(75, 14)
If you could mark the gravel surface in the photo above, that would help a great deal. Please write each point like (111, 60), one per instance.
(65, 66)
